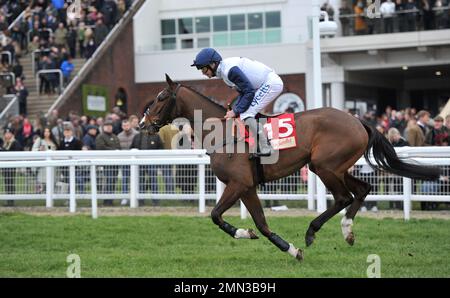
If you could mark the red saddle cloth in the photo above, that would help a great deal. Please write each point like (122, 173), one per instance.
(280, 130)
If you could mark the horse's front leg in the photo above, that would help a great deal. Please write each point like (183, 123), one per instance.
(253, 205)
(233, 191)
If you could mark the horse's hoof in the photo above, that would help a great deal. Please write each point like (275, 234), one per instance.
(350, 239)
(309, 240)
(252, 234)
(299, 255)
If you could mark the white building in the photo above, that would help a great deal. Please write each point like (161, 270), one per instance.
(367, 71)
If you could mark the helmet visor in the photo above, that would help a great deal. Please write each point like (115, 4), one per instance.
(200, 67)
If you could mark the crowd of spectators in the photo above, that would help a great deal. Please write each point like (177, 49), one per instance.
(358, 17)
(115, 131)
(45, 29)
(408, 127)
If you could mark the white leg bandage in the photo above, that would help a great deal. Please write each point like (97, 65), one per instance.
(241, 233)
(346, 226)
(292, 250)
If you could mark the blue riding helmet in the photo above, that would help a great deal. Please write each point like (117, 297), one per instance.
(205, 57)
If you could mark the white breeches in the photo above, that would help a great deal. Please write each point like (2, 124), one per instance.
(270, 90)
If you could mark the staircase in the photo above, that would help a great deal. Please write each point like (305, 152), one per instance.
(36, 102)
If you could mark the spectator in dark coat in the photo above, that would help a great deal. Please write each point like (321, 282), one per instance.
(22, 94)
(68, 143)
(89, 137)
(100, 33)
(90, 47)
(9, 174)
(145, 141)
(72, 36)
(439, 134)
(110, 13)
(108, 141)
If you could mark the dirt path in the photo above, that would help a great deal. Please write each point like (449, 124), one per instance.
(191, 211)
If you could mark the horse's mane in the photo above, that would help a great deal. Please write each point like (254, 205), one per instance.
(211, 99)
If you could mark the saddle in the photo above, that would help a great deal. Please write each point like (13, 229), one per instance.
(266, 116)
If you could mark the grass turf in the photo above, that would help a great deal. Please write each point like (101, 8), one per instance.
(179, 246)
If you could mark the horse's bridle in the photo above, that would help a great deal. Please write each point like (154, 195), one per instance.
(166, 111)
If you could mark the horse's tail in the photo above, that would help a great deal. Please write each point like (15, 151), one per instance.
(386, 158)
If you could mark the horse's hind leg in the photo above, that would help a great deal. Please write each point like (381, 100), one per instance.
(251, 201)
(233, 191)
(342, 198)
(360, 189)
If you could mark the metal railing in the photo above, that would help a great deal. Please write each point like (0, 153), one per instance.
(18, 19)
(11, 108)
(50, 33)
(46, 71)
(10, 76)
(9, 56)
(33, 58)
(185, 175)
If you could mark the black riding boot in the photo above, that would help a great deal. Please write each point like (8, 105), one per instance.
(256, 129)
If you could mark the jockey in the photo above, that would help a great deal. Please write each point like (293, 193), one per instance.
(257, 84)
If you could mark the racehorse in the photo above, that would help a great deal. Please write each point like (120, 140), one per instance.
(330, 141)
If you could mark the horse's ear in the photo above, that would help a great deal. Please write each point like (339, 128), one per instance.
(169, 81)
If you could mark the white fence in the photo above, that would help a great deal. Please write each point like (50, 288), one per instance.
(186, 175)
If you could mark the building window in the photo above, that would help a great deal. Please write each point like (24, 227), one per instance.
(185, 26)
(273, 19)
(220, 23)
(202, 24)
(168, 27)
(203, 42)
(187, 43)
(221, 30)
(255, 21)
(237, 22)
(169, 43)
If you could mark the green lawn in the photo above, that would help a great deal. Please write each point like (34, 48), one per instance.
(172, 246)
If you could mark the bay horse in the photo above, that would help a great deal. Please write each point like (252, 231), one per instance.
(330, 141)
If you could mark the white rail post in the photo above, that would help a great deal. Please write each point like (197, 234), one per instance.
(133, 185)
(49, 181)
(243, 211)
(311, 189)
(220, 186)
(407, 191)
(94, 192)
(201, 188)
(321, 196)
(72, 201)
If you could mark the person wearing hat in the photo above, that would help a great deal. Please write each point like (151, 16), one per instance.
(439, 135)
(89, 137)
(436, 136)
(9, 174)
(70, 142)
(107, 140)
